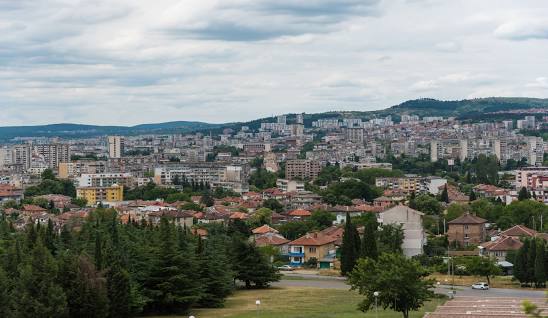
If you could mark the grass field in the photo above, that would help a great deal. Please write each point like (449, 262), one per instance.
(293, 302)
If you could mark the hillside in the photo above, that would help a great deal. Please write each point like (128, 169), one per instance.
(79, 130)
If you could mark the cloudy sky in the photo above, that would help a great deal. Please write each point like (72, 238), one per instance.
(139, 61)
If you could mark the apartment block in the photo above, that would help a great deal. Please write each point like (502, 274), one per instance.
(93, 195)
(302, 169)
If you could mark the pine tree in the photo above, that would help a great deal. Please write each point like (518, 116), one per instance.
(216, 278)
(540, 273)
(173, 285)
(119, 292)
(369, 242)
(37, 294)
(66, 237)
(350, 249)
(6, 299)
(49, 239)
(98, 251)
(250, 266)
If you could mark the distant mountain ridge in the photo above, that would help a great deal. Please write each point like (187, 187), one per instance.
(467, 109)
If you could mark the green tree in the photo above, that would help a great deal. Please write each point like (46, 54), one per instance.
(400, 282)
(483, 266)
(369, 241)
(48, 175)
(6, 296)
(215, 274)
(524, 194)
(207, 199)
(321, 219)
(472, 197)
(173, 284)
(444, 197)
(263, 179)
(37, 294)
(350, 249)
(293, 230)
(252, 267)
(540, 265)
(391, 238)
(260, 217)
(273, 205)
(119, 291)
(520, 265)
(427, 204)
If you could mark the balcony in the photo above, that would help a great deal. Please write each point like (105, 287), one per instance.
(296, 254)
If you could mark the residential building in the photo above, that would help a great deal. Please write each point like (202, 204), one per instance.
(411, 183)
(302, 169)
(411, 222)
(312, 245)
(10, 193)
(290, 185)
(105, 180)
(466, 230)
(116, 145)
(114, 193)
(499, 248)
(53, 154)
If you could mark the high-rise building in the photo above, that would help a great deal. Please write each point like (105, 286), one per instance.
(21, 156)
(302, 169)
(53, 154)
(115, 146)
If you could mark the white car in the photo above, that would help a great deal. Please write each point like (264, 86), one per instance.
(480, 285)
(285, 268)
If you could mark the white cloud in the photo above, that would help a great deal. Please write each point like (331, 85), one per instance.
(135, 61)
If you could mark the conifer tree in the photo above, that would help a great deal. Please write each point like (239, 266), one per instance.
(523, 194)
(472, 196)
(369, 242)
(520, 266)
(6, 299)
(540, 258)
(173, 285)
(119, 292)
(444, 195)
(251, 267)
(37, 293)
(215, 276)
(531, 256)
(98, 251)
(350, 250)
(49, 239)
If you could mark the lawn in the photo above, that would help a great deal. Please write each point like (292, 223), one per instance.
(299, 302)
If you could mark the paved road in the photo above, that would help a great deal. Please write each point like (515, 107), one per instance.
(317, 281)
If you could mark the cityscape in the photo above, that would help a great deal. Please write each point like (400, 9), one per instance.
(257, 159)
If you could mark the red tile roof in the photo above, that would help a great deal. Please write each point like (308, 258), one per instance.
(506, 243)
(264, 229)
(299, 212)
(519, 230)
(468, 218)
(273, 239)
(313, 239)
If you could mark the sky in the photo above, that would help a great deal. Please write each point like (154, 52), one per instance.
(126, 62)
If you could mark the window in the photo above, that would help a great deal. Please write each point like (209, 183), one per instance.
(466, 236)
(312, 250)
(466, 227)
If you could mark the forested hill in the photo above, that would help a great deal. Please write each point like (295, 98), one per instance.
(78, 130)
(492, 108)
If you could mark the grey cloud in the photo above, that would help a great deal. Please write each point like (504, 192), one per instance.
(523, 30)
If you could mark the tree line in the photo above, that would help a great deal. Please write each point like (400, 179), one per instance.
(109, 269)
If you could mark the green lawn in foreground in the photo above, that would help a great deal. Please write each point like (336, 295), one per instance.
(299, 302)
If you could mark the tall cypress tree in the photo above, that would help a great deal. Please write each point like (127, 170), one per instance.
(350, 249)
(49, 239)
(369, 242)
(98, 251)
(531, 256)
(523, 194)
(444, 195)
(119, 292)
(520, 264)
(540, 273)
(250, 266)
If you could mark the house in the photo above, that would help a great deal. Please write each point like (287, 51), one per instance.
(519, 231)
(499, 248)
(181, 218)
(264, 229)
(411, 222)
(272, 239)
(59, 201)
(383, 202)
(312, 245)
(466, 230)
(9, 192)
(299, 214)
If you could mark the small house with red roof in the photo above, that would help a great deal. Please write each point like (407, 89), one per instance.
(499, 248)
(299, 214)
(311, 245)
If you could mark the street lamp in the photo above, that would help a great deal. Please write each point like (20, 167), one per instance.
(258, 304)
(376, 294)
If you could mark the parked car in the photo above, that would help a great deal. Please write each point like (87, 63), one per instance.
(480, 285)
(285, 268)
